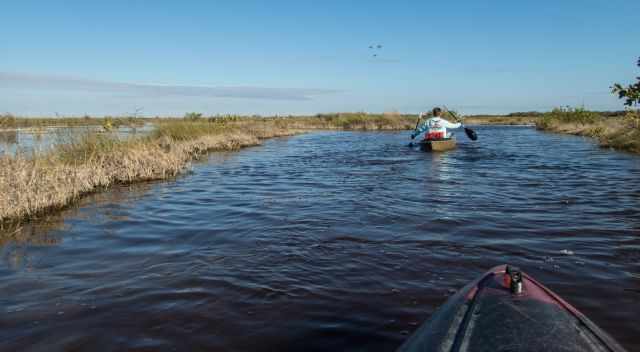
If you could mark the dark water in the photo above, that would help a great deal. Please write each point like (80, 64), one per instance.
(326, 241)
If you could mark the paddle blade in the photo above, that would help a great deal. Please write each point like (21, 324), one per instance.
(471, 134)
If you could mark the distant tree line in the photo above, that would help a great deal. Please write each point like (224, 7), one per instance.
(525, 113)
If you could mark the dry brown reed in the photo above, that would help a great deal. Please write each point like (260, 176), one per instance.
(619, 132)
(31, 185)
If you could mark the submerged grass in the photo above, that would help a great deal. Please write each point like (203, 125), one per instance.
(618, 132)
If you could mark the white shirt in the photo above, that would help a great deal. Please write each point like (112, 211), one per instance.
(436, 124)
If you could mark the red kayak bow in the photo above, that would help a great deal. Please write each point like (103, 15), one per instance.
(507, 310)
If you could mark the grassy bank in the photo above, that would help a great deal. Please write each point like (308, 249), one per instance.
(35, 184)
(356, 121)
(501, 120)
(32, 185)
(620, 132)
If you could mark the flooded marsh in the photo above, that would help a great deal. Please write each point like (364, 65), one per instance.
(326, 240)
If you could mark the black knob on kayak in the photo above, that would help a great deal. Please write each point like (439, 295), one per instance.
(515, 277)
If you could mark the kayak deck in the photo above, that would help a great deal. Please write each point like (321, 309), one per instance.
(503, 312)
(438, 145)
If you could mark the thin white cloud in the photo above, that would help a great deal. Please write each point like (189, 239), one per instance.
(28, 81)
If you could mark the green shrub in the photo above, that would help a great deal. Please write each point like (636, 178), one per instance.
(193, 116)
(630, 93)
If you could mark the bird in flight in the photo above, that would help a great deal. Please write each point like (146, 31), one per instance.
(375, 47)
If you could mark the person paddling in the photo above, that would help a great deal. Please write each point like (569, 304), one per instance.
(434, 128)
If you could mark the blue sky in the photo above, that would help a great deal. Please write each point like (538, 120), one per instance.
(297, 56)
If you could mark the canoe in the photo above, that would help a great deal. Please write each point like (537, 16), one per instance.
(507, 310)
(438, 146)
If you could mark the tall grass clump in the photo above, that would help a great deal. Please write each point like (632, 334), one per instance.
(189, 129)
(627, 137)
(568, 115)
(618, 132)
(7, 121)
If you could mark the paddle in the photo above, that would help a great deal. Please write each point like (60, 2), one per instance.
(469, 132)
(417, 124)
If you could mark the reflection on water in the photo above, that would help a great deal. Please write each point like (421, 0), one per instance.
(37, 233)
(326, 241)
(18, 241)
(439, 171)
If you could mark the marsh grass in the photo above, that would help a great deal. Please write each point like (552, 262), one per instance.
(502, 120)
(618, 132)
(187, 130)
(568, 115)
(34, 184)
(354, 121)
(9, 121)
(362, 121)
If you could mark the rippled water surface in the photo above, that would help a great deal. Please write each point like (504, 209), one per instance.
(326, 241)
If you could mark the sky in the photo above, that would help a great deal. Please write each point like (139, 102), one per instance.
(308, 56)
